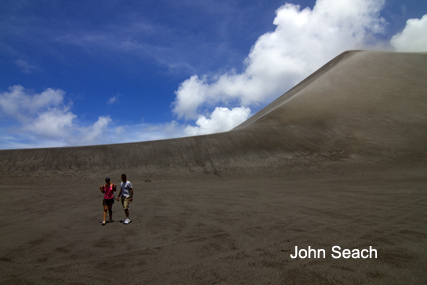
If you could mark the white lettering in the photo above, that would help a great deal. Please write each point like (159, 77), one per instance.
(308, 253)
(295, 255)
(346, 253)
(364, 256)
(319, 251)
(336, 249)
(355, 253)
(371, 250)
(302, 253)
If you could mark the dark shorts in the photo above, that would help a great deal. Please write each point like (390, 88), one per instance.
(108, 202)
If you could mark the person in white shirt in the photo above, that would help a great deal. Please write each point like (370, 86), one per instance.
(126, 194)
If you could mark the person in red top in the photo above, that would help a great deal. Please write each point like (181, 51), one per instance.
(108, 200)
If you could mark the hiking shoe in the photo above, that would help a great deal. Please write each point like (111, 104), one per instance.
(127, 221)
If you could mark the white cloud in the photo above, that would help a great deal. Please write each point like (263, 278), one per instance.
(302, 42)
(25, 66)
(94, 134)
(114, 99)
(118, 130)
(150, 132)
(44, 117)
(43, 120)
(413, 38)
(21, 106)
(190, 95)
(146, 132)
(221, 120)
(52, 123)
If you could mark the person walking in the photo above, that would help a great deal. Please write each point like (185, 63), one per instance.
(126, 194)
(108, 200)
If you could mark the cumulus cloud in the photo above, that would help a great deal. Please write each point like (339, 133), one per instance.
(413, 38)
(190, 95)
(303, 41)
(45, 117)
(44, 120)
(52, 123)
(221, 120)
(21, 106)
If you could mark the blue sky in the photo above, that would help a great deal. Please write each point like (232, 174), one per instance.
(95, 72)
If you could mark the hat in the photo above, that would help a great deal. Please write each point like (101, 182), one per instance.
(107, 179)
